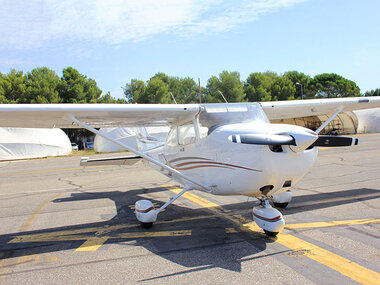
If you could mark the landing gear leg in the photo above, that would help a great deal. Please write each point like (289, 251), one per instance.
(268, 218)
(145, 212)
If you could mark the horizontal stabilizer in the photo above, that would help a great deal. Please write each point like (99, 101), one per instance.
(124, 160)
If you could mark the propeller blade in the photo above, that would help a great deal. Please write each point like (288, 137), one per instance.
(263, 139)
(334, 141)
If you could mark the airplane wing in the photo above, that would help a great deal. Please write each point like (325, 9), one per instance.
(96, 115)
(312, 107)
(132, 115)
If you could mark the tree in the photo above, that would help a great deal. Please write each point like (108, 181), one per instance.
(229, 84)
(332, 85)
(157, 91)
(77, 88)
(12, 86)
(258, 86)
(3, 99)
(373, 92)
(162, 76)
(41, 86)
(299, 78)
(135, 91)
(108, 99)
(283, 89)
(184, 90)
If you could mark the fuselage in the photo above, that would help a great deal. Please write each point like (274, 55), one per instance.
(202, 150)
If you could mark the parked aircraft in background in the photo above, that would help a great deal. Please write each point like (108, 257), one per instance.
(222, 149)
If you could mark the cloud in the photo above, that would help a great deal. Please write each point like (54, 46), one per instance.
(29, 24)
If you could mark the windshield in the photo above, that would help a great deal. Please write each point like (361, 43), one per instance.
(212, 116)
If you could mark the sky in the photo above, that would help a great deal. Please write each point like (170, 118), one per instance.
(114, 41)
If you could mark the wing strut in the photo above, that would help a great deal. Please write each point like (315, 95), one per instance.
(143, 155)
(340, 109)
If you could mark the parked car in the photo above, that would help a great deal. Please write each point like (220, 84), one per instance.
(90, 145)
(74, 146)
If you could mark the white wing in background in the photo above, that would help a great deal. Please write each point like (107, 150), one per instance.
(312, 107)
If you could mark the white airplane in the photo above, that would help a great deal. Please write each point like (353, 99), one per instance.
(222, 149)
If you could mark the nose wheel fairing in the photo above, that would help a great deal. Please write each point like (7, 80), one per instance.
(268, 218)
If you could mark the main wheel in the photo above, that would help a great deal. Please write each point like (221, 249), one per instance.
(270, 234)
(280, 205)
(146, 225)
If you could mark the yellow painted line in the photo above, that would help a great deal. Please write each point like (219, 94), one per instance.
(76, 234)
(92, 244)
(332, 223)
(36, 258)
(231, 231)
(49, 237)
(154, 234)
(28, 223)
(92, 240)
(342, 265)
(53, 170)
(25, 227)
(4, 269)
(252, 226)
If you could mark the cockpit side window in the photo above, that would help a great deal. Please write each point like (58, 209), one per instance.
(186, 134)
(172, 139)
(182, 135)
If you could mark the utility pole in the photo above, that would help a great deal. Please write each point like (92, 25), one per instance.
(301, 89)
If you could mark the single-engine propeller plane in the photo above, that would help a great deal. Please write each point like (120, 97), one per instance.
(222, 149)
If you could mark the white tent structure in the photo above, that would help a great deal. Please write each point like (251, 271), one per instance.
(369, 120)
(19, 143)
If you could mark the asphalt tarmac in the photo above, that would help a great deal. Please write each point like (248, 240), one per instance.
(64, 224)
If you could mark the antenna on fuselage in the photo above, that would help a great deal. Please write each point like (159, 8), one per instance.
(223, 96)
(173, 97)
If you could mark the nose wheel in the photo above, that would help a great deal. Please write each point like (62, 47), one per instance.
(282, 200)
(268, 218)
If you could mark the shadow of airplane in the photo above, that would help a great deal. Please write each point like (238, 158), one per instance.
(194, 238)
(189, 237)
(302, 203)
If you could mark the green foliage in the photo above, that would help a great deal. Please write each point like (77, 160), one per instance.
(373, 92)
(41, 87)
(184, 90)
(77, 88)
(12, 86)
(134, 92)
(157, 91)
(158, 88)
(330, 85)
(108, 99)
(258, 86)
(299, 79)
(229, 84)
(282, 89)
